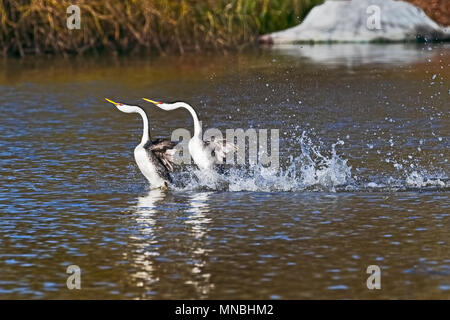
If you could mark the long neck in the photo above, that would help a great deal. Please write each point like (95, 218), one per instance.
(146, 129)
(197, 126)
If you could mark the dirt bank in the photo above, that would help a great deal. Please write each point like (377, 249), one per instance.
(438, 10)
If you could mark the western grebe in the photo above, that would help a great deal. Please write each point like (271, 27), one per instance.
(154, 158)
(206, 154)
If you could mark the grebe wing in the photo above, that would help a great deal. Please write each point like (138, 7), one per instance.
(220, 148)
(164, 150)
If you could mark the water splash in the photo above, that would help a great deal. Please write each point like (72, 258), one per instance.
(312, 170)
(417, 179)
(312, 166)
(316, 168)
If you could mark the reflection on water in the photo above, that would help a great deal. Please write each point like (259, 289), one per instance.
(355, 54)
(364, 142)
(145, 242)
(187, 235)
(198, 220)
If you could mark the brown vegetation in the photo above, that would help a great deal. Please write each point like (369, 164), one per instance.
(39, 26)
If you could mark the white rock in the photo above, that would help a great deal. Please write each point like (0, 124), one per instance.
(356, 21)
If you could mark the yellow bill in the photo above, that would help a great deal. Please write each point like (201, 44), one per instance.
(152, 101)
(114, 103)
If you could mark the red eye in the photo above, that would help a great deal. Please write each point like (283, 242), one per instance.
(120, 104)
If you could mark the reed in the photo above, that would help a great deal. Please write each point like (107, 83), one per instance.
(36, 27)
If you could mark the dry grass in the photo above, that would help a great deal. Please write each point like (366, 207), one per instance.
(34, 27)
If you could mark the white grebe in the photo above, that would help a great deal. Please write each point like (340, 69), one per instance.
(206, 154)
(154, 158)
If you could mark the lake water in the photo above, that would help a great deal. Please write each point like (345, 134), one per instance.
(364, 177)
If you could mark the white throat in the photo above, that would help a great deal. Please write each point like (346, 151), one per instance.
(197, 125)
(145, 129)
